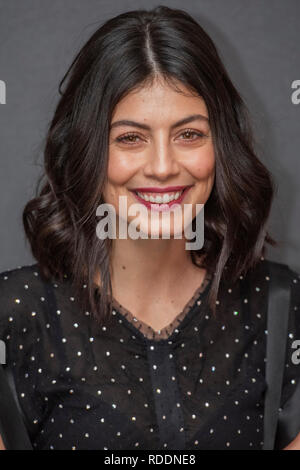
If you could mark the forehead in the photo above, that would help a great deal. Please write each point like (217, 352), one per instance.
(160, 102)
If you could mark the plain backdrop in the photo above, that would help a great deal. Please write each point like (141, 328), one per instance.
(259, 42)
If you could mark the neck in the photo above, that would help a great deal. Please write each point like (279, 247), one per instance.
(155, 263)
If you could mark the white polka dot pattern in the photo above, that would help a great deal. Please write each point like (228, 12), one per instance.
(199, 384)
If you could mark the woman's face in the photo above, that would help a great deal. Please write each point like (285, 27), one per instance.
(155, 150)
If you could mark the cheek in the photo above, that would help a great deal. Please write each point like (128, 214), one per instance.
(202, 166)
(120, 168)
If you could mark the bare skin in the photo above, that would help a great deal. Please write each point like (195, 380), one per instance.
(159, 272)
(294, 445)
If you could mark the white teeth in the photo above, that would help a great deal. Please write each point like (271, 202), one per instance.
(161, 199)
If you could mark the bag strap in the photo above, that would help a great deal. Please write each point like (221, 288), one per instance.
(12, 428)
(277, 326)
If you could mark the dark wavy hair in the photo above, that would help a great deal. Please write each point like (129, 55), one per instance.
(125, 53)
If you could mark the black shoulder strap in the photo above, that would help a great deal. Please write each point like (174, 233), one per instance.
(12, 428)
(277, 326)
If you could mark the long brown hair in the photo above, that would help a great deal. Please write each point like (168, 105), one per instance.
(123, 54)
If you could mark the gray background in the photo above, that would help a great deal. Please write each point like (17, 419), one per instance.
(258, 41)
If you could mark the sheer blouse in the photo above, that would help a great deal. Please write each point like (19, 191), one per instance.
(198, 383)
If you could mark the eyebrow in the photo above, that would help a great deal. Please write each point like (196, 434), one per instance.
(186, 120)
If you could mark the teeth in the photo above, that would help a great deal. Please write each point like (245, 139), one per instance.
(161, 199)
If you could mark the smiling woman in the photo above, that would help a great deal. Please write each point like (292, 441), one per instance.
(140, 343)
(162, 148)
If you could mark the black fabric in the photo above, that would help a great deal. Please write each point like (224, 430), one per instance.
(288, 420)
(85, 386)
(12, 429)
(277, 323)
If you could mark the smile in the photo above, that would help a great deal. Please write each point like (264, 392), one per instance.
(161, 201)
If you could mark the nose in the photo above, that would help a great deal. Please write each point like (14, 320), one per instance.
(161, 162)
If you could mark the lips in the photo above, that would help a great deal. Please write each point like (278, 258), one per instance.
(167, 189)
(161, 204)
(160, 198)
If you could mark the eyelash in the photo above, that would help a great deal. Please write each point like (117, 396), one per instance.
(132, 134)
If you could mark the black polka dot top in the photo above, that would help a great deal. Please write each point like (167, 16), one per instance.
(197, 384)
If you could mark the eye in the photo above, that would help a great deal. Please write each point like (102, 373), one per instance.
(191, 132)
(129, 138)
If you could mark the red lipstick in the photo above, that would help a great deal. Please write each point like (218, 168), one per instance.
(161, 207)
(160, 190)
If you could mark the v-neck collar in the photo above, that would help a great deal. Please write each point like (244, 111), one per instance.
(165, 333)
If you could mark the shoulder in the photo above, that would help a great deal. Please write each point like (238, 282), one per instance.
(292, 276)
(283, 273)
(20, 287)
(19, 279)
(256, 281)
(251, 292)
(266, 269)
(18, 273)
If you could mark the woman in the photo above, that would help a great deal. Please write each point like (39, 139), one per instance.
(141, 343)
